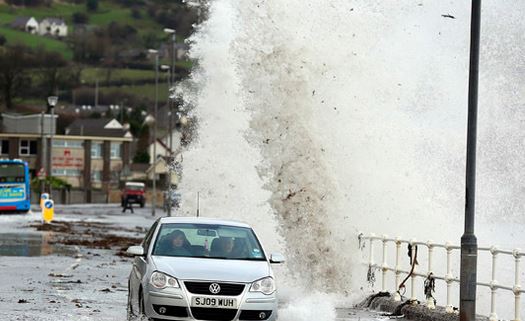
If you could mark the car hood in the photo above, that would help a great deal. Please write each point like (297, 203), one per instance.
(212, 269)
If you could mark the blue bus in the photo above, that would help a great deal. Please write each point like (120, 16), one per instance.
(15, 190)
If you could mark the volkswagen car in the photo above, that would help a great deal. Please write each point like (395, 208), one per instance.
(202, 269)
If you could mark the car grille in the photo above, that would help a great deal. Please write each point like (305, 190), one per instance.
(255, 314)
(172, 311)
(204, 288)
(213, 314)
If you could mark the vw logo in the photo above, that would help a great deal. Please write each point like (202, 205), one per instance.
(215, 288)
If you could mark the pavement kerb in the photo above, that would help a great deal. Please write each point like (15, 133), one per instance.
(416, 312)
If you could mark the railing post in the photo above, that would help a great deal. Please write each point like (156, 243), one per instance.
(384, 266)
(430, 301)
(397, 296)
(517, 285)
(448, 278)
(493, 283)
(371, 258)
(413, 297)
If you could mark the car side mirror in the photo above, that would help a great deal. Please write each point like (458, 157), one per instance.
(135, 250)
(276, 258)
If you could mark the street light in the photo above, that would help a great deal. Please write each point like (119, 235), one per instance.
(469, 243)
(150, 121)
(51, 103)
(171, 82)
(154, 199)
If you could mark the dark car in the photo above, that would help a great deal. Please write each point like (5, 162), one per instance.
(133, 193)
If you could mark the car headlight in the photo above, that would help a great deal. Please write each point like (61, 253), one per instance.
(160, 281)
(265, 286)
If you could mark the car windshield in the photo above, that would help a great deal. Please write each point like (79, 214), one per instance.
(207, 241)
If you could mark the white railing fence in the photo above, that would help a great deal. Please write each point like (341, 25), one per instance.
(386, 243)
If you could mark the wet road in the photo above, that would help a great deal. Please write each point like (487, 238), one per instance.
(71, 272)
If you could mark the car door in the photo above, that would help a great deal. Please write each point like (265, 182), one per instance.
(140, 264)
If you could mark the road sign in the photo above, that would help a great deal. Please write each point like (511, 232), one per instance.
(43, 198)
(48, 211)
(41, 173)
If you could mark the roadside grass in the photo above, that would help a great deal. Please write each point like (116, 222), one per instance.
(35, 41)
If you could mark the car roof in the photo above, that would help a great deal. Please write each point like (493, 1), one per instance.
(135, 184)
(202, 220)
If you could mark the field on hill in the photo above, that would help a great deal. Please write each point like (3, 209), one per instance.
(94, 47)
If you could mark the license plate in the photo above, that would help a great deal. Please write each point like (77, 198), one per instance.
(207, 302)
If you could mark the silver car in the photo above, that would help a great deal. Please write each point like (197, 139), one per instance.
(201, 269)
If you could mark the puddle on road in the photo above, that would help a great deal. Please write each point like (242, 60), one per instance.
(26, 244)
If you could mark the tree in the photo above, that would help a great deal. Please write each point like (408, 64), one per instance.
(14, 62)
(141, 157)
(80, 18)
(51, 65)
(92, 5)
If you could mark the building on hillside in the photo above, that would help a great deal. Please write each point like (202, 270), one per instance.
(55, 27)
(93, 155)
(27, 24)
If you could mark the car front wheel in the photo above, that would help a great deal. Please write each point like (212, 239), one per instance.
(131, 314)
(142, 310)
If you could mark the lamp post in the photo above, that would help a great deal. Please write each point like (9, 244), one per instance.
(168, 82)
(51, 103)
(154, 199)
(150, 121)
(469, 244)
(173, 34)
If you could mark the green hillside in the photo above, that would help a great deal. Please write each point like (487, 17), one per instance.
(35, 41)
(107, 45)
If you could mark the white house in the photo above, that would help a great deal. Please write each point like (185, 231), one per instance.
(27, 24)
(54, 27)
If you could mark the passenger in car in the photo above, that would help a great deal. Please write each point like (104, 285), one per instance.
(174, 244)
(222, 247)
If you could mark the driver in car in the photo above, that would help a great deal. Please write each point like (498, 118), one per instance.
(174, 244)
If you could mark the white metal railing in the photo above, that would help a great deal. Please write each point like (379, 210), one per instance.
(448, 278)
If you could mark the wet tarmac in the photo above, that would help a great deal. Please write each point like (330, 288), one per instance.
(31, 244)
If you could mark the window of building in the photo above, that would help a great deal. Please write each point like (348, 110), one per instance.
(96, 176)
(96, 150)
(116, 150)
(73, 172)
(27, 147)
(58, 172)
(66, 172)
(4, 147)
(67, 143)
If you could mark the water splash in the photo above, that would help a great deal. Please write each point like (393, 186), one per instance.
(320, 119)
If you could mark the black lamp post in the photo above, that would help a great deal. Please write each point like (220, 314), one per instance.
(469, 243)
(51, 103)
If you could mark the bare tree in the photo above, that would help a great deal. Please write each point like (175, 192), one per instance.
(51, 65)
(14, 61)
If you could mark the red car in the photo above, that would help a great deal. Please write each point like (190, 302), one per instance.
(133, 192)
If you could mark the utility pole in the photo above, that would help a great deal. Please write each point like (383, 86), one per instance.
(96, 94)
(171, 82)
(43, 156)
(469, 243)
(155, 112)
